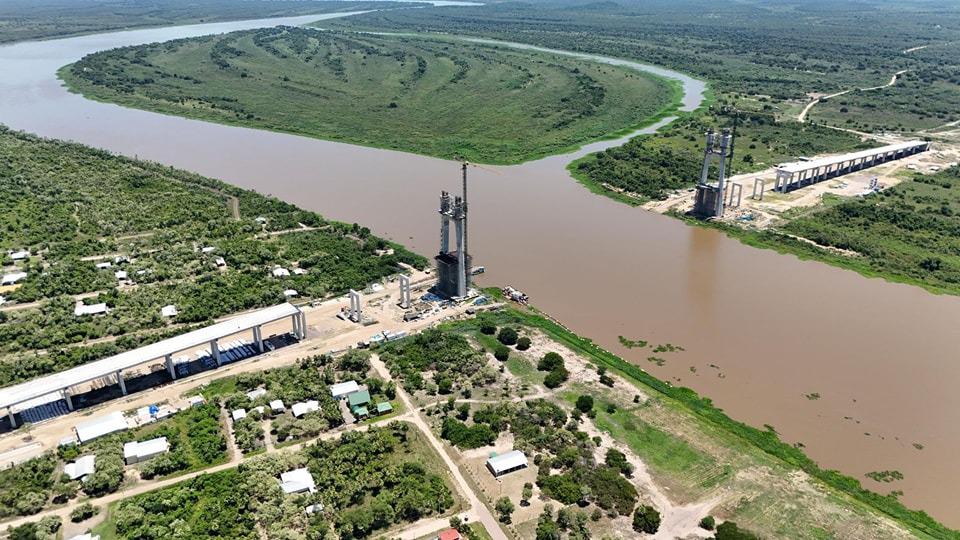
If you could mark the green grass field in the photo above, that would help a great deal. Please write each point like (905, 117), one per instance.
(442, 98)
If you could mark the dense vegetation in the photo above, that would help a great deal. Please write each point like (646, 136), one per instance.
(196, 441)
(442, 98)
(910, 231)
(781, 50)
(437, 362)
(650, 167)
(365, 481)
(73, 207)
(921, 99)
(38, 19)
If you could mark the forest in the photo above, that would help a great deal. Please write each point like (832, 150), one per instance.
(73, 207)
(395, 92)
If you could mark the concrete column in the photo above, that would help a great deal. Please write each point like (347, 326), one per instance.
(258, 337)
(295, 322)
(303, 325)
(168, 359)
(68, 398)
(215, 351)
(404, 291)
(123, 385)
(13, 421)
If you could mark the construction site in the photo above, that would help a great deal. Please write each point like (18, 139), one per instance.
(760, 199)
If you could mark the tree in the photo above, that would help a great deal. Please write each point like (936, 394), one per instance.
(488, 328)
(523, 343)
(507, 336)
(585, 403)
(556, 377)
(646, 519)
(527, 494)
(547, 529)
(708, 523)
(728, 530)
(83, 512)
(504, 509)
(550, 362)
(618, 460)
(501, 353)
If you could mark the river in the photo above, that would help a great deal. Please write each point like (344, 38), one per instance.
(882, 356)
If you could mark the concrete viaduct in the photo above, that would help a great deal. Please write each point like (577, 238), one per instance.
(797, 174)
(58, 385)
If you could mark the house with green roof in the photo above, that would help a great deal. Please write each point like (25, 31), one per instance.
(359, 400)
(384, 408)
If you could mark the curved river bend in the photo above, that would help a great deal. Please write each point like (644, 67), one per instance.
(882, 356)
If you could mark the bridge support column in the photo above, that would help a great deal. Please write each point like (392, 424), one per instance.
(215, 351)
(13, 421)
(68, 398)
(258, 337)
(168, 359)
(120, 381)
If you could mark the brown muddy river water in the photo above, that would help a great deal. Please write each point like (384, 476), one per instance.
(882, 356)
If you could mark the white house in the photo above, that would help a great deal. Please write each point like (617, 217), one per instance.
(297, 481)
(300, 409)
(104, 265)
(120, 275)
(86, 536)
(208, 249)
(340, 390)
(81, 467)
(11, 278)
(280, 272)
(290, 293)
(238, 414)
(19, 255)
(94, 309)
(136, 452)
(277, 406)
(169, 311)
(255, 393)
(101, 426)
(507, 463)
(220, 262)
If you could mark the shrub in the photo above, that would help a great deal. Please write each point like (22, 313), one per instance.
(646, 519)
(556, 377)
(462, 436)
(501, 353)
(550, 362)
(83, 512)
(707, 523)
(729, 531)
(504, 509)
(585, 403)
(507, 336)
(523, 343)
(488, 328)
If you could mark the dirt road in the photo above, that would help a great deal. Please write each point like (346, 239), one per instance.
(802, 117)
